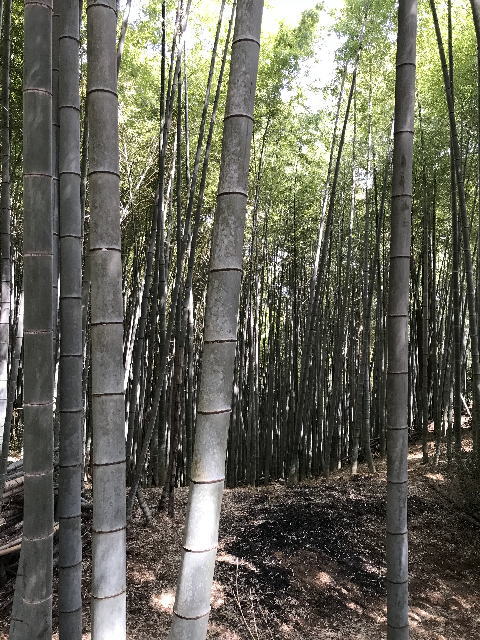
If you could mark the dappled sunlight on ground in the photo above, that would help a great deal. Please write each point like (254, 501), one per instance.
(142, 575)
(233, 560)
(218, 595)
(163, 601)
(416, 454)
(437, 477)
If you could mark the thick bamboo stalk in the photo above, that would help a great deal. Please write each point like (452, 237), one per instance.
(192, 603)
(57, 5)
(107, 386)
(71, 343)
(37, 544)
(397, 326)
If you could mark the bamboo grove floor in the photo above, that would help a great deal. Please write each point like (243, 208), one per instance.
(308, 562)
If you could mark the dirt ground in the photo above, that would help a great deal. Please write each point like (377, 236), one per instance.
(308, 562)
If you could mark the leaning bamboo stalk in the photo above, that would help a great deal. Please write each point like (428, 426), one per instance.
(123, 34)
(192, 602)
(12, 485)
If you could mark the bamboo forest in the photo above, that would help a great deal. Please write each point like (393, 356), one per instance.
(240, 319)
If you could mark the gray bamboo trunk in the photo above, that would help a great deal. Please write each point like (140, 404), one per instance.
(107, 401)
(57, 6)
(71, 347)
(37, 544)
(192, 602)
(397, 326)
(5, 263)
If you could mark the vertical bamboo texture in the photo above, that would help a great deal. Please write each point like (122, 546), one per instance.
(71, 351)
(107, 401)
(192, 602)
(37, 544)
(397, 326)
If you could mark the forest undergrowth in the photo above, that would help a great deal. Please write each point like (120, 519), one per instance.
(307, 562)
